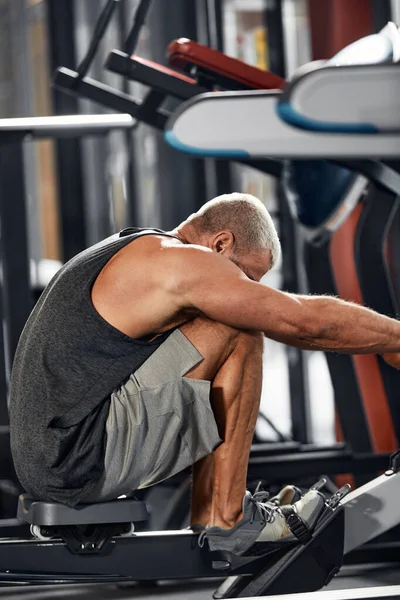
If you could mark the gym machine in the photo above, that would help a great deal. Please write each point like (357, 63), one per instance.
(98, 544)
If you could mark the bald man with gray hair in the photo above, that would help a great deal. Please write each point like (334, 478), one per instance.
(144, 357)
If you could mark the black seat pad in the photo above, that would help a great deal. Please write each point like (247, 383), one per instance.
(50, 514)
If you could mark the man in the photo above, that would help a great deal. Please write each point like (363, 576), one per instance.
(144, 356)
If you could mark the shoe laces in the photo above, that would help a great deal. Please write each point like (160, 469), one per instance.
(259, 501)
(261, 507)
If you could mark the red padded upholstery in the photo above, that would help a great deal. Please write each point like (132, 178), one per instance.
(184, 52)
(162, 69)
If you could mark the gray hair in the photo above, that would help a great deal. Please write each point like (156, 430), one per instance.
(247, 218)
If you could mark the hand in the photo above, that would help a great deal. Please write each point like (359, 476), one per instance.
(392, 359)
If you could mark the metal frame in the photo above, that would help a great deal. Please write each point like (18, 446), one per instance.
(64, 126)
(273, 16)
(132, 192)
(348, 521)
(14, 246)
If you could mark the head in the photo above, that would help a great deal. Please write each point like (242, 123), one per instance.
(239, 227)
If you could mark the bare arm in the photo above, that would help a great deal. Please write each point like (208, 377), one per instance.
(216, 288)
(301, 344)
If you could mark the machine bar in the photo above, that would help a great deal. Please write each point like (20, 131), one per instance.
(121, 559)
(99, 31)
(138, 22)
(65, 126)
(68, 81)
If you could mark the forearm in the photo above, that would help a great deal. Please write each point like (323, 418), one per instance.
(347, 327)
(296, 342)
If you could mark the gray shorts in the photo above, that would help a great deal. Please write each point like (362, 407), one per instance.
(159, 422)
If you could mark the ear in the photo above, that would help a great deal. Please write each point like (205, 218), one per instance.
(223, 241)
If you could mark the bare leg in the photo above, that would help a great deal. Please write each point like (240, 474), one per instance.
(202, 490)
(233, 364)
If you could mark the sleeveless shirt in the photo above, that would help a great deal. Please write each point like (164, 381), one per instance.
(68, 362)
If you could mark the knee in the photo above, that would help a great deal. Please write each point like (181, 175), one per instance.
(247, 341)
(251, 341)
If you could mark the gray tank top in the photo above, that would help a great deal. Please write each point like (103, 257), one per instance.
(68, 362)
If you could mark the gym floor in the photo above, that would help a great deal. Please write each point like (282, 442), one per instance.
(350, 577)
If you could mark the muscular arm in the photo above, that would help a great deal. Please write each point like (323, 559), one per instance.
(216, 288)
(354, 328)
(301, 344)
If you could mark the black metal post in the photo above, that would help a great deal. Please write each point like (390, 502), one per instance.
(381, 13)
(139, 20)
(183, 194)
(61, 27)
(131, 190)
(98, 34)
(215, 34)
(273, 19)
(16, 298)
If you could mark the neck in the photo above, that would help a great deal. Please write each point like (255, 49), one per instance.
(188, 234)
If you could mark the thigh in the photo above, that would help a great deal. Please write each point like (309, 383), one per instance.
(214, 341)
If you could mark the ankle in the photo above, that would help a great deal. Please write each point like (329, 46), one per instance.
(200, 519)
(226, 521)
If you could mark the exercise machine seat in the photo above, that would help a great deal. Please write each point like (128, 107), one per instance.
(124, 510)
(184, 53)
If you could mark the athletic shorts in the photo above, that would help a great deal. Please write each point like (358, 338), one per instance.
(159, 423)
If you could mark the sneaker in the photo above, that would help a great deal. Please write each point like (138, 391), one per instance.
(288, 495)
(265, 525)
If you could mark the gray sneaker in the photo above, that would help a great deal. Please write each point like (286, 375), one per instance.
(265, 525)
